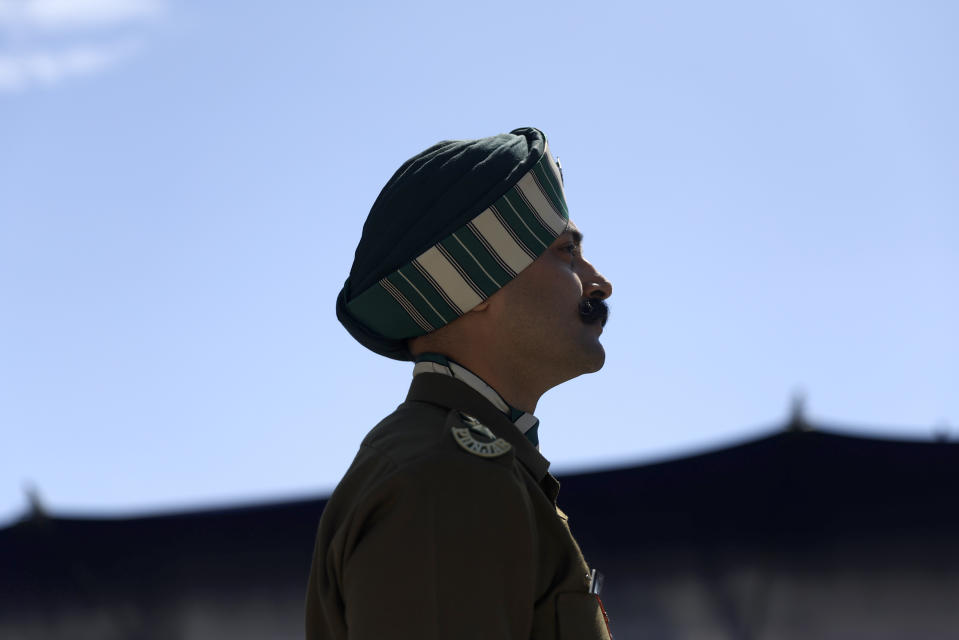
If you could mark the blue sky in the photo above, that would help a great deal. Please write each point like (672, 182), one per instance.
(773, 191)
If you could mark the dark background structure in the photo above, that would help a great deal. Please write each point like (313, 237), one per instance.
(803, 533)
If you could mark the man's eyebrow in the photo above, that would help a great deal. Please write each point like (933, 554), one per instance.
(577, 235)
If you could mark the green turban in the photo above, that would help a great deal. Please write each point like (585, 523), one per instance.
(452, 226)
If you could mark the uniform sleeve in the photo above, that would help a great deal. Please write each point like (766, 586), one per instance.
(444, 550)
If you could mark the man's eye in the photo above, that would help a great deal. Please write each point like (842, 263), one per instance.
(572, 248)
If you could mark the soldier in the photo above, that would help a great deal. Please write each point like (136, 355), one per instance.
(446, 524)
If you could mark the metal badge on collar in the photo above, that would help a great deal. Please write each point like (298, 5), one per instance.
(476, 438)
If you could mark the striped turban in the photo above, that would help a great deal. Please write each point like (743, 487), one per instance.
(452, 226)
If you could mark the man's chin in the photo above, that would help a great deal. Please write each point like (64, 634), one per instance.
(595, 360)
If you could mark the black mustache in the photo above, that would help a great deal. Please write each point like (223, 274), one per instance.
(593, 310)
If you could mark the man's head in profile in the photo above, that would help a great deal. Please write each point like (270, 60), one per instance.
(469, 252)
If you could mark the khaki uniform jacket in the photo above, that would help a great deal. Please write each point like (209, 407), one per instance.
(425, 539)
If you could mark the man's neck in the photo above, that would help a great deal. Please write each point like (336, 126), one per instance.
(510, 385)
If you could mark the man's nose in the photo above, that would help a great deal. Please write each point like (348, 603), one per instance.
(595, 285)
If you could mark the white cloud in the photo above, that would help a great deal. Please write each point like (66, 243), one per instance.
(46, 68)
(65, 15)
(48, 41)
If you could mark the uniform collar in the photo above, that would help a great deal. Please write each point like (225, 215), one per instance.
(526, 422)
(451, 393)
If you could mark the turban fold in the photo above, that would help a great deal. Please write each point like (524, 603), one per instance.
(452, 226)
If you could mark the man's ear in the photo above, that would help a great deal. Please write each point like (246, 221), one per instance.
(482, 306)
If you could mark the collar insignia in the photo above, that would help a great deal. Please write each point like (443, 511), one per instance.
(476, 438)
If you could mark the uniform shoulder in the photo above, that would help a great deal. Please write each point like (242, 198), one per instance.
(419, 431)
(411, 466)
